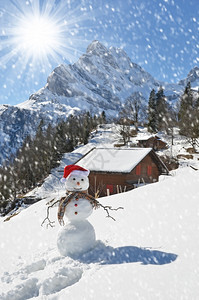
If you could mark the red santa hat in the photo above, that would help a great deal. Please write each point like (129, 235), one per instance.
(74, 170)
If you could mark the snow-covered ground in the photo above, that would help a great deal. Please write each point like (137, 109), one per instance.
(150, 252)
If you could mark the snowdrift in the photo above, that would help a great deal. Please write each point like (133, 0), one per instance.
(149, 252)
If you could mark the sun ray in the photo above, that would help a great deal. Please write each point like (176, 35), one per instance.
(43, 31)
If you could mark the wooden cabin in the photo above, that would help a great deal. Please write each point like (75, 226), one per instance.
(118, 170)
(153, 142)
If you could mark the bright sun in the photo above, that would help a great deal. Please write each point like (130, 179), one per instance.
(41, 33)
(38, 36)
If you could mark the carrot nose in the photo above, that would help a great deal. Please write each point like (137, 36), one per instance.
(78, 183)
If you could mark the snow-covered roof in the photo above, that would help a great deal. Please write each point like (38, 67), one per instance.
(113, 160)
(147, 137)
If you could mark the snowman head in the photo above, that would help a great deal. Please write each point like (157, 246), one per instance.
(76, 178)
(77, 183)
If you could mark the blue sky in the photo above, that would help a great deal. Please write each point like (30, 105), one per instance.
(162, 36)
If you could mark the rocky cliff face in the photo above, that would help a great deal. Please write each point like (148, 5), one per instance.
(192, 77)
(102, 79)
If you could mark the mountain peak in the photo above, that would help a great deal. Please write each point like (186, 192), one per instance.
(101, 80)
(194, 72)
(193, 77)
(96, 48)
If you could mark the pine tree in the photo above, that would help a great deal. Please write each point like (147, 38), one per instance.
(24, 167)
(87, 127)
(189, 115)
(152, 113)
(5, 185)
(49, 145)
(186, 110)
(196, 104)
(162, 110)
(186, 105)
(103, 117)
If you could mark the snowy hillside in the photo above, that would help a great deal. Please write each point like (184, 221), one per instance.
(149, 252)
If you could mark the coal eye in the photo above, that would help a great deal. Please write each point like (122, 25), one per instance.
(74, 179)
(82, 179)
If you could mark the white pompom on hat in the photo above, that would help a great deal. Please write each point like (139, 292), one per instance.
(74, 170)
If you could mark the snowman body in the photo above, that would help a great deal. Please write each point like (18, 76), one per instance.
(78, 235)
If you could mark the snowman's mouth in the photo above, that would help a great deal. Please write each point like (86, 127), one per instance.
(77, 189)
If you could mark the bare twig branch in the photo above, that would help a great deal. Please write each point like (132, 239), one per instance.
(50, 223)
(194, 168)
(107, 208)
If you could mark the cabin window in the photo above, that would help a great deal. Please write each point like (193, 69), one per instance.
(149, 170)
(110, 188)
(138, 170)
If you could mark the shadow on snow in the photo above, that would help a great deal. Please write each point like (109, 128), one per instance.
(106, 255)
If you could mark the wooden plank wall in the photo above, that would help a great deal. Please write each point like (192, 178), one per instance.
(123, 181)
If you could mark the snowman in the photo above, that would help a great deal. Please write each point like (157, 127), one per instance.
(78, 235)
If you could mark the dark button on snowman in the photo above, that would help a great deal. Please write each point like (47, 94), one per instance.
(78, 235)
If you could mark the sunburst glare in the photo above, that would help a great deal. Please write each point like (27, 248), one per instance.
(43, 32)
(37, 36)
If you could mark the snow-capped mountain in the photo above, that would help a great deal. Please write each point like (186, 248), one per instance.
(192, 77)
(102, 79)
